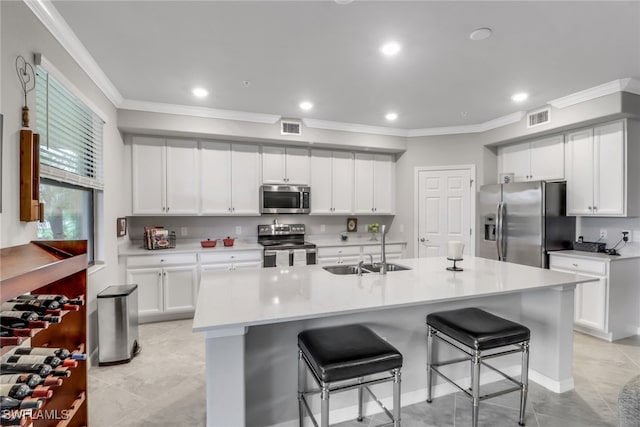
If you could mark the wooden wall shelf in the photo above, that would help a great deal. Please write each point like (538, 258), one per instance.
(54, 267)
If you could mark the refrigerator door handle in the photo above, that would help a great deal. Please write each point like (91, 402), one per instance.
(499, 230)
(503, 242)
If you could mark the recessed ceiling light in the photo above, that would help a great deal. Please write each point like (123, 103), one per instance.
(306, 105)
(480, 34)
(391, 116)
(390, 49)
(200, 92)
(519, 97)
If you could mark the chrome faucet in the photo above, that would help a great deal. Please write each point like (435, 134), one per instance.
(383, 252)
(360, 267)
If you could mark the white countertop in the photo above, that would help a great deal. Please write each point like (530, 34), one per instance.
(271, 295)
(187, 246)
(631, 250)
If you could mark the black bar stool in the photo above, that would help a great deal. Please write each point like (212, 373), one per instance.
(339, 358)
(474, 331)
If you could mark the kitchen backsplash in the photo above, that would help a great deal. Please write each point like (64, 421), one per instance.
(218, 227)
(590, 228)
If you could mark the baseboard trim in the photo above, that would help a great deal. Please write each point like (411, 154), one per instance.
(551, 384)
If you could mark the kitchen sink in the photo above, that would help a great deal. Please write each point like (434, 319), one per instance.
(344, 269)
(366, 268)
(375, 268)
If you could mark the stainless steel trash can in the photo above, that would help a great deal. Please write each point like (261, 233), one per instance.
(118, 324)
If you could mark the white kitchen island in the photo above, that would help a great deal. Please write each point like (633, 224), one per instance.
(250, 321)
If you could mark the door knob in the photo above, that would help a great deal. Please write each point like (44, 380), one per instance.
(423, 240)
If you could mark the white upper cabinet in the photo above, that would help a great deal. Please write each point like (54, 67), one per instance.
(288, 165)
(245, 180)
(183, 180)
(230, 178)
(164, 176)
(215, 177)
(331, 182)
(542, 159)
(596, 171)
(374, 183)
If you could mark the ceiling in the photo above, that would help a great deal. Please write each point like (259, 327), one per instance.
(328, 54)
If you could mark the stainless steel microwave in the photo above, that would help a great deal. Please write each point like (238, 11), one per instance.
(285, 199)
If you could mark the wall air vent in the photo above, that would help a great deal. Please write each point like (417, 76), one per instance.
(290, 127)
(539, 117)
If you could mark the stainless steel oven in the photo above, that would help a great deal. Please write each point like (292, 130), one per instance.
(284, 244)
(285, 199)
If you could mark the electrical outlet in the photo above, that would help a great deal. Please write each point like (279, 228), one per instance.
(629, 235)
(401, 228)
(238, 230)
(603, 234)
(323, 228)
(184, 231)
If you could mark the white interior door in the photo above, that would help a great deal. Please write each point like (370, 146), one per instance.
(444, 210)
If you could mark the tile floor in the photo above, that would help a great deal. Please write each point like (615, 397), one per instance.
(159, 389)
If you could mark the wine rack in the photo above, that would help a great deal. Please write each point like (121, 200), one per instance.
(53, 267)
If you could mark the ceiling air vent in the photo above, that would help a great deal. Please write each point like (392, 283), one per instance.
(539, 117)
(290, 127)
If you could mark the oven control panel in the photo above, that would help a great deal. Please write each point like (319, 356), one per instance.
(280, 229)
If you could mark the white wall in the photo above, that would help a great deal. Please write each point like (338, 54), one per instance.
(23, 34)
(436, 151)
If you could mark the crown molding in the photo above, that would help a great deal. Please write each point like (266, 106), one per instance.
(477, 128)
(631, 85)
(58, 27)
(622, 85)
(354, 127)
(187, 110)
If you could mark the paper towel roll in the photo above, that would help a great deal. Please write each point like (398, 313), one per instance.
(300, 257)
(282, 258)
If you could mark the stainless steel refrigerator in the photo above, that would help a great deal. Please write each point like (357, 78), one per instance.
(520, 222)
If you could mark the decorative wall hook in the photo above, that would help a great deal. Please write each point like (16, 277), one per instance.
(28, 82)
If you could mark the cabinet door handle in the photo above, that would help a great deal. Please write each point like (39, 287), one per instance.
(575, 265)
(595, 208)
(590, 208)
(422, 239)
(167, 208)
(159, 274)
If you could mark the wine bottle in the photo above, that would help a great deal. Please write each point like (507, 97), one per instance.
(7, 418)
(62, 299)
(41, 369)
(16, 332)
(46, 304)
(23, 306)
(49, 360)
(20, 391)
(17, 323)
(7, 402)
(62, 353)
(24, 315)
(31, 380)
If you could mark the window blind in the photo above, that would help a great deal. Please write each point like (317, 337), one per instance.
(70, 135)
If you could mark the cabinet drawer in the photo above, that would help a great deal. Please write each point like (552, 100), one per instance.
(579, 265)
(338, 251)
(230, 256)
(375, 249)
(161, 260)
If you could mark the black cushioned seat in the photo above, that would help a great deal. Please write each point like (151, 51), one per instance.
(345, 352)
(478, 329)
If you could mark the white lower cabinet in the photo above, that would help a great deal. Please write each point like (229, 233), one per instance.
(232, 260)
(332, 255)
(338, 255)
(167, 285)
(608, 308)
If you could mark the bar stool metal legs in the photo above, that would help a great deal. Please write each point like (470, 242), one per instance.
(341, 358)
(480, 336)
